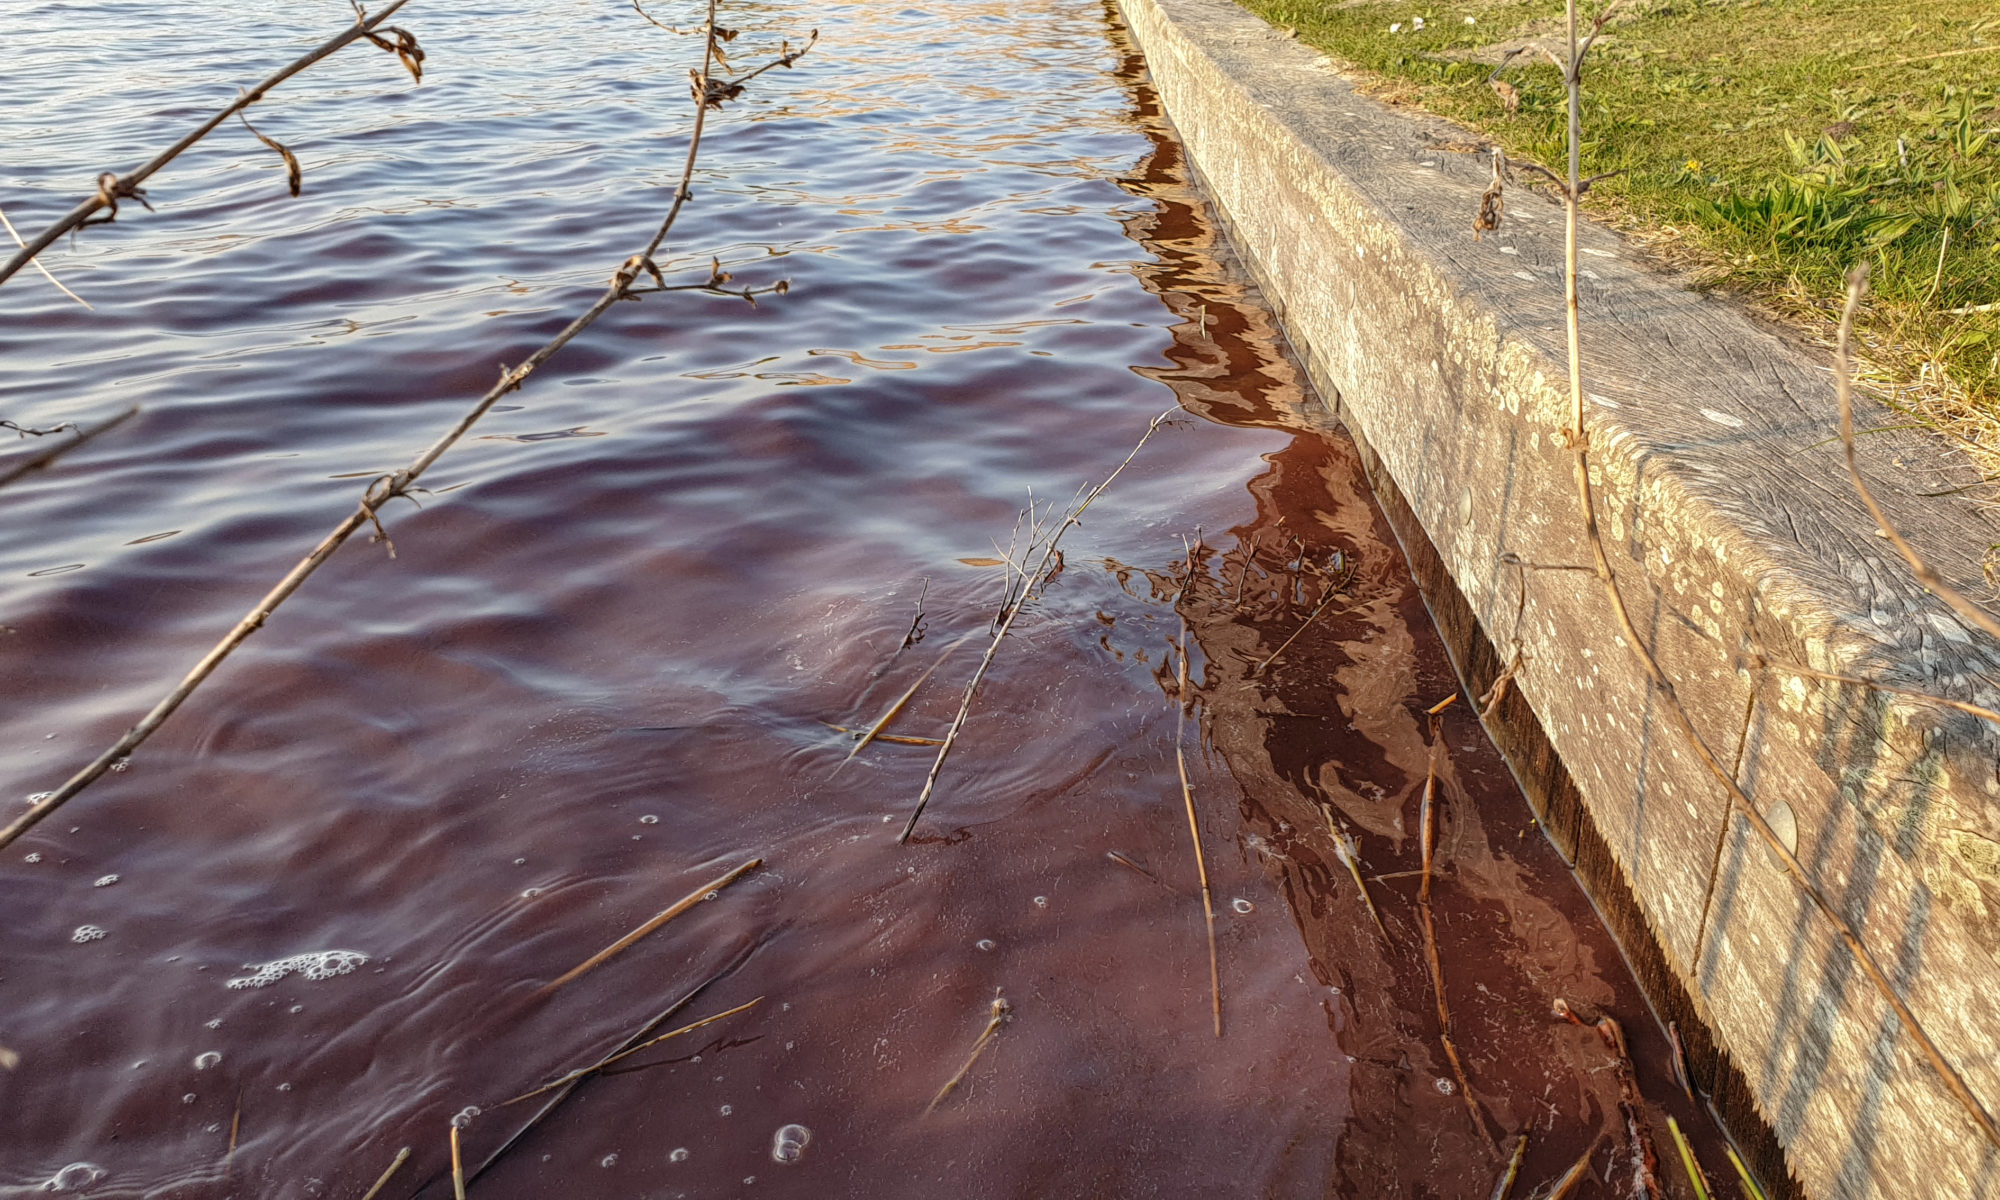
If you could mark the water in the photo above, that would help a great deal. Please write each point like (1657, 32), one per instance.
(601, 669)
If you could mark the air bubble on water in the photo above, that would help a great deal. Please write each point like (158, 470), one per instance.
(206, 1059)
(284, 1087)
(86, 933)
(649, 819)
(887, 818)
(679, 1155)
(727, 1109)
(788, 1145)
(188, 1099)
(105, 881)
(121, 764)
(1446, 1086)
(298, 1008)
(33, 857)
(137, 1065)
(74, 1177)
(635, 837)
(1243, 906)
(213, 1023)
(749, 1179)
(1041, 902)
(531, 893)
(465, 1116)
(609, 1160)
(215, 1128)
(696, 1058)
(35, 798)
(320, 964)
(520, 862)
(986, 943)
(711, 895)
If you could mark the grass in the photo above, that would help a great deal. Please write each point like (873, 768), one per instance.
(1766, 145)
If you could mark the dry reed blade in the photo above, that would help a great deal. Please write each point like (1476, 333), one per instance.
(875, 731)
(1505, 1187)
(1676, 713)
(382, 1180)
(1070, 519)
(1000, 1013)
(1570, 1178)
(1349, 853)
(1750, 1186)
(43, 458)
(1429, 837)
(602, 1063)
(457, 1167)
(1693, 1168)
(644, 1031)
(46, 273)
(113, 187)
(679, 906)
(1679, 1059)
(1194, 830)
(400, 483)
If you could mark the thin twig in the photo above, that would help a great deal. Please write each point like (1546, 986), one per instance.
(1984, 714)
(382, 1181)
(1244, 576)
(37, 461)
(629, 1051)
(1349, 853)
(1857, 285)
(457, 1167)
(916, 622)
(1001, 1011)
(46, 274)
(387, 487)
(1674, 711)
(1428, 824)
(111, 188)
(1194, 823)
(1332, 592)
(704, 892)
(1070, 519)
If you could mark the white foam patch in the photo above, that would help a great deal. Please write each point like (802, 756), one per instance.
(320, 964)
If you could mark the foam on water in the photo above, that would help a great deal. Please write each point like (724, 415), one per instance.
(320, 964)
(86, 933)
(74, 1177)
(788, 1145)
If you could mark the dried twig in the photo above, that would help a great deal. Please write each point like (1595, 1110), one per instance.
(1050, 554)
(1570, 1178)
(457, 1167)
(46, 273)
(1000, 1013)
(704, 892)
(1676, 714)
(1194, 823)
(1428, 824)
(382, 1181)
(1857, 286)
(43, 458)
(916, 623)
(111, 187)
(1331, 593)
(399, 484)
(629, 1051)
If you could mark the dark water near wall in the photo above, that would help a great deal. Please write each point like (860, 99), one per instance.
(602, 667)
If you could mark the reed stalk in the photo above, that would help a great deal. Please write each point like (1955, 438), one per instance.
(1194, 826)
(1001, 1011)
(704, 892)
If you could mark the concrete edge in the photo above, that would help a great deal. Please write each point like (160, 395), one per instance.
(1446, 360)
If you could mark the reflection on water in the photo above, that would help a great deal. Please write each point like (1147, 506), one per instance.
(604, 666)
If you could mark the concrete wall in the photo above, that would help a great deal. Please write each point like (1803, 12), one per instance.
(1735, 532)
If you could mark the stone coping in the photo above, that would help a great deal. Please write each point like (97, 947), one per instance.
(1732, 525)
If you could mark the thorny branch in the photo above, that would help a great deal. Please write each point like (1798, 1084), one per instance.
(401, 483)
(112, 187)
(1577, 436)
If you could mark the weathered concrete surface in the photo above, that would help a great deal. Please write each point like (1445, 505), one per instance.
(1734, 531)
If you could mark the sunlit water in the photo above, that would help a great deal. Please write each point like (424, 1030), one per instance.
(602, 666)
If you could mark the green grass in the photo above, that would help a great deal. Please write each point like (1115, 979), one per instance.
(1770, 144)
